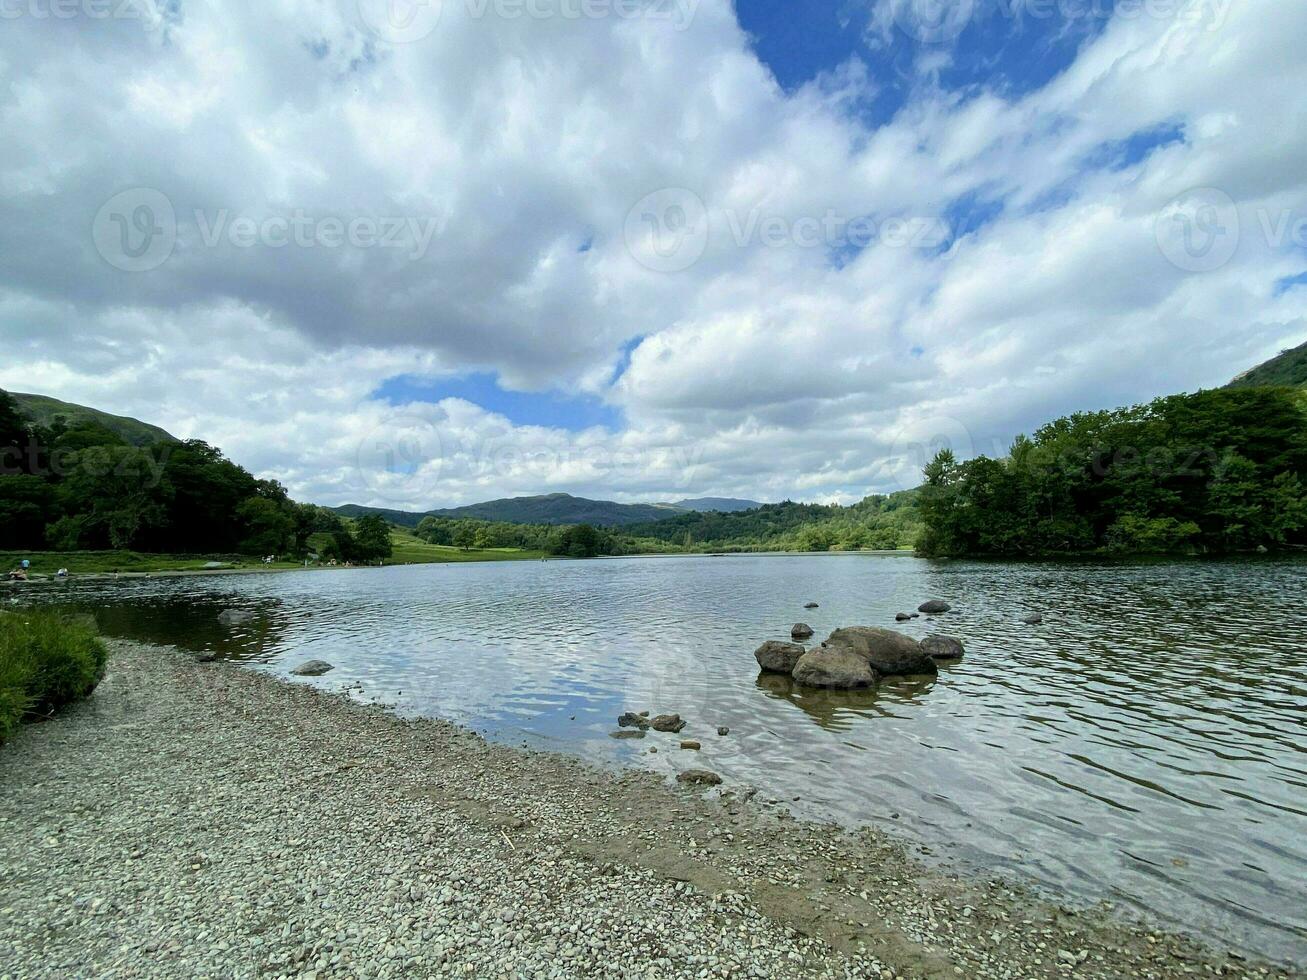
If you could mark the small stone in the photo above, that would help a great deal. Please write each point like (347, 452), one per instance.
(723, 730)
(699, 777)
(688, 743)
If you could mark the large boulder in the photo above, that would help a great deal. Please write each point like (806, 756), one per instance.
(934, 607)
(801, 631)
(778, 657)
(885, 651)
(836, 667)
(943, 647)
(312, 668)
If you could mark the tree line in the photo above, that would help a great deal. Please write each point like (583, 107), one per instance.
(1211, 472)
(77, 485)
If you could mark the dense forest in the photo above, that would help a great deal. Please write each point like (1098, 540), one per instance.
(73, 483)
(877, 522)
(1216, 471)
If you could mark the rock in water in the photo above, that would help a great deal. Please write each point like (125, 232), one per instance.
(835, 667)
(312, 668)
(723, 730)
(629, 719)
(699, 777)
(1034, 619)
(801, 631)
(668, 723)
(810, 605)
(689, 743)
(778, 657)
(885, 651)
(901, 617)
(231, 617)
(934, 606)
(943, 647)
(627, 733)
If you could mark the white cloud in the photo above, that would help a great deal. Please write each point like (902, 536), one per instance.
(766, 368)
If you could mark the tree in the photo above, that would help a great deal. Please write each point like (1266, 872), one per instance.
(372, 538)
(464, 536)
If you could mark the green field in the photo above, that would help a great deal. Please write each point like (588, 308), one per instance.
(411, 550)
(101, 562)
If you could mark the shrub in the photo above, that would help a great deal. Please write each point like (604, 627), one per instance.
(46, 661)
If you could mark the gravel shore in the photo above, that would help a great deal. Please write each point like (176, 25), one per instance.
(205, 820)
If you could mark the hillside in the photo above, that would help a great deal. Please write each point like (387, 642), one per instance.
(560, 508)
(723, 505)
(1289, 367)
(44, 410)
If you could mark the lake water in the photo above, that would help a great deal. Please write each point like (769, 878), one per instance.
(1146, 744)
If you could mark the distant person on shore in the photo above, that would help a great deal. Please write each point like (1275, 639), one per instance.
(18, 575)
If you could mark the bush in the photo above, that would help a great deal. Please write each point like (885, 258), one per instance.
(46, 661)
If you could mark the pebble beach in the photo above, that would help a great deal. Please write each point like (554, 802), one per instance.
(206, 820)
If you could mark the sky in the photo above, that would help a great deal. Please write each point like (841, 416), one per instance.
(419, 253)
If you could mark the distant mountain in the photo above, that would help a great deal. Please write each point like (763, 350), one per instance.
(561, 508)
(404, 518)
(558, 508)
(723, 505)
(1287, 368)
(44, 410)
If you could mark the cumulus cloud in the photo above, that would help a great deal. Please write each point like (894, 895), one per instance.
(238, 220)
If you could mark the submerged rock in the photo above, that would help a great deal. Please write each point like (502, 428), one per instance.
(943, 647)
(810, 605)
(627, 733)
(801, 631)
(934, 606)
(885, 651)
(312, 668)
(232, 617)
(835, 667)
(699, 777)
(778, 657)
(629, 719)
(1034, 619)
(668, 723)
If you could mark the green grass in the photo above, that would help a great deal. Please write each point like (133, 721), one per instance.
(87, 562)
(46, 661)
(411, 550)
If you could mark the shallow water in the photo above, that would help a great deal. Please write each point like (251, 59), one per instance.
(1146, 744)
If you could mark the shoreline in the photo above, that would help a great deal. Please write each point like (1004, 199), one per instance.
(209, 819)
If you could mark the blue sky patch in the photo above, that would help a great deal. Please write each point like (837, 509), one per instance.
(551, 409)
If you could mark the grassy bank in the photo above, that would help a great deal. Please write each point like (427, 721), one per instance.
(412, 550)
(101, 562)
(46, 661)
